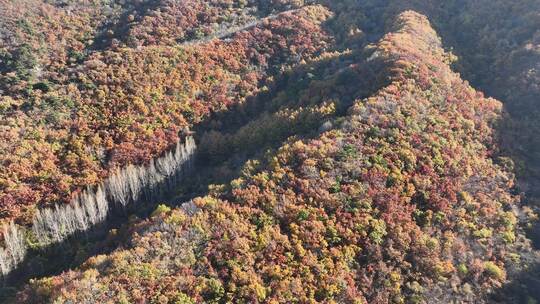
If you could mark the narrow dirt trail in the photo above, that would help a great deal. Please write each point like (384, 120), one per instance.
(233, 30)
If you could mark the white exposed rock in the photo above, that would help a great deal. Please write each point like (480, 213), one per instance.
(90, 207)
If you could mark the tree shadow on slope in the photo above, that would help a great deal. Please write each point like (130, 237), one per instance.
(317, 95)
(118, 28)
(491, 45)
(524, 288)
(300, 104)
(524, 284)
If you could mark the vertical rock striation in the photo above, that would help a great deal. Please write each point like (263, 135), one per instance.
(125, 186)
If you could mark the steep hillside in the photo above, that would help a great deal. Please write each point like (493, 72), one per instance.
(497, 43)
(106, 120)
(326, 151)
(509, 69)
(396, 200)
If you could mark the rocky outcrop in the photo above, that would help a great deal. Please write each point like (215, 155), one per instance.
(126, 186)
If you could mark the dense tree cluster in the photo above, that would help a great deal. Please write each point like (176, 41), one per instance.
(66, 124)
(173, 22)
(508, 36)
(345, 161)
(497, 43)
(398, 200)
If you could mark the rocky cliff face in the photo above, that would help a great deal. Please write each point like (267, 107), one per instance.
(129, 185)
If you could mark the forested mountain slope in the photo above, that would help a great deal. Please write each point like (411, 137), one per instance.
(123, 105)
(497, 46)
(497, 43)
(326, 151)
(73, 117)
(398, 200)
(509, 69)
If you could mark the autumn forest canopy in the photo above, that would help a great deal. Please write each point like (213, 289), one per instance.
(278, 151)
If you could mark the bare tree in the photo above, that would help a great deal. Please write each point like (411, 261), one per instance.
(90, 207)
(124, 187)
(14, 249)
